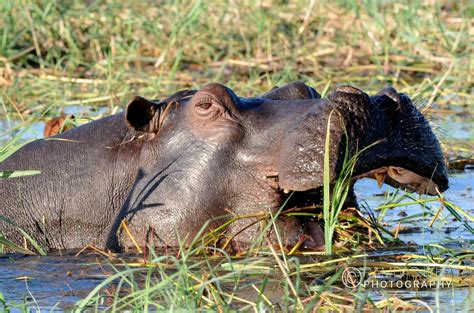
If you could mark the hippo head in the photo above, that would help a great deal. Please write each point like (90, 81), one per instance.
(208, 153)
(407, 153)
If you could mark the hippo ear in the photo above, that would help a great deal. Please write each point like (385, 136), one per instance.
(352, 103)
(392, 101)
(140, 114)
(293, 91)
(348, 97)
(391, 93)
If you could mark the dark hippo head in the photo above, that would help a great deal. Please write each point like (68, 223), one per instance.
(208, 153)
(407, 153)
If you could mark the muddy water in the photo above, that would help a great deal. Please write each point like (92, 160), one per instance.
(57, 282)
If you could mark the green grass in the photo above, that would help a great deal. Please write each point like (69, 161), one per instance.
(54, 55)
(191, 281)
(335, 194)
(104, 53)
(217, 281)
(11, 147)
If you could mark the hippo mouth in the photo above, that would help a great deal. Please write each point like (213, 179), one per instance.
(303, 203)
(395, 176)
(404, 179)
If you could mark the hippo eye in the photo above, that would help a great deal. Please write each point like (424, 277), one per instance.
(204, 105)
(207, 107)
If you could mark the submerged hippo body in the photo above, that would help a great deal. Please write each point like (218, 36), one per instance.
(169, 167)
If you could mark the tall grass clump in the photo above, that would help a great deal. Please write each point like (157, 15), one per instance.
(104, 52)
(177, 282)
(335, 194)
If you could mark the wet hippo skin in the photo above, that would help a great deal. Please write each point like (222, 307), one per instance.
(201, 157)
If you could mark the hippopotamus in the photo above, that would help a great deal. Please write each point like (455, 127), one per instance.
(201, 157)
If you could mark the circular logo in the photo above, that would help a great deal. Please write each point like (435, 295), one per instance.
(351, 277)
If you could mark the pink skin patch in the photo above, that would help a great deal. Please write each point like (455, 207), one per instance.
(403, 178)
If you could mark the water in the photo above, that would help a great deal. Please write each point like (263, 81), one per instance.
(52, 281)
(448, 233)
(460, 193)
(9, 128)
(59, 281)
